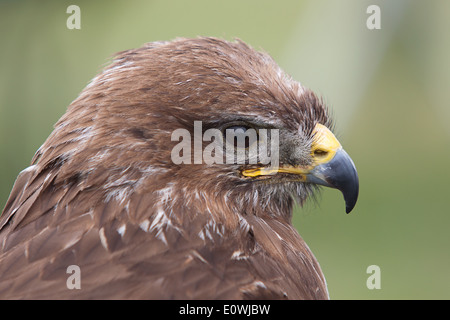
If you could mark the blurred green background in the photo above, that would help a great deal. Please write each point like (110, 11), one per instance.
(389, 90)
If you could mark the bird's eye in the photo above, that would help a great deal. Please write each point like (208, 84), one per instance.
(241, 136)
(238, 129)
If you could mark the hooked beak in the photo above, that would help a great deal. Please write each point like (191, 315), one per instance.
(339, 173)
(332, 167)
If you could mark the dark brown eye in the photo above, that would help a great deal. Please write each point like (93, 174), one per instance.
(242, 129)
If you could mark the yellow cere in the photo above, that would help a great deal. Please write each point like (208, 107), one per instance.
(324, 146)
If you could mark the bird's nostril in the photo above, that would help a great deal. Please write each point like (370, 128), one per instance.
(319, 153)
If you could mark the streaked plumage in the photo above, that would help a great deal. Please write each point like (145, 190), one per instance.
(103, 194)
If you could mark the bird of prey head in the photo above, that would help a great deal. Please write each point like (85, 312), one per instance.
(103, 192)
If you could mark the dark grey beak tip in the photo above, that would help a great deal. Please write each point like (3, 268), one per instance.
(348, 208)
(347, 180)
(350, 201)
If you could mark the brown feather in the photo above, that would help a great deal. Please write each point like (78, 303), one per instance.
(104, 195)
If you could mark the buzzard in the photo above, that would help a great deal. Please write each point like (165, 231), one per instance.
(103, 193)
